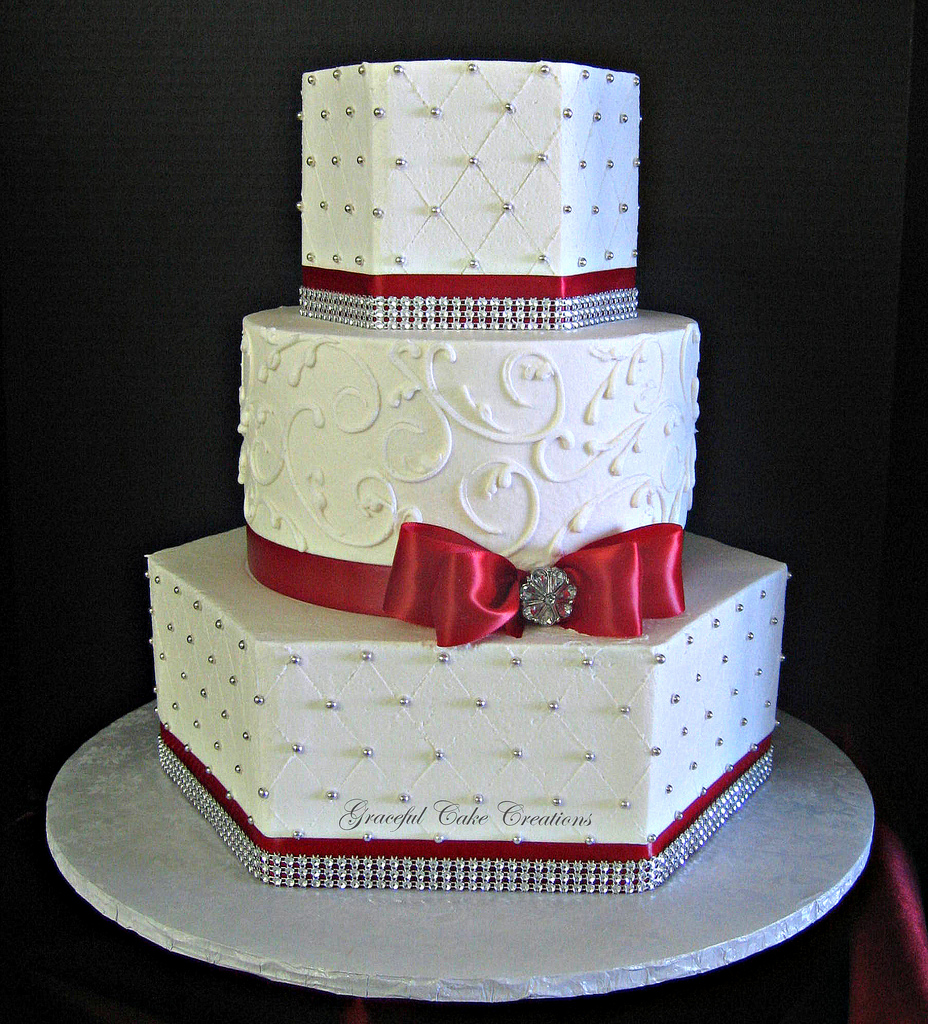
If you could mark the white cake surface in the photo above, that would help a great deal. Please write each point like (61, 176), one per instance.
(594, 739)
(531, 443)
(463, 357)
(470, 167)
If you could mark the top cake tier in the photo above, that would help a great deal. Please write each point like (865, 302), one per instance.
(469, 194)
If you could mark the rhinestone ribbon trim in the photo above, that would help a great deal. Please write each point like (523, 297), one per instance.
(461, 873)
(468, 314)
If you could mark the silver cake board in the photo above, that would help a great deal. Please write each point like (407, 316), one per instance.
(127, 841)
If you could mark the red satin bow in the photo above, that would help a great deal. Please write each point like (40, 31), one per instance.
(442, 579)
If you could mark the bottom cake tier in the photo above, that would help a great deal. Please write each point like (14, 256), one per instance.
(333, 749)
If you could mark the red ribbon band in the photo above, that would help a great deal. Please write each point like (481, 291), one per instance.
(356, 846)
(442, 579)
(469, 286)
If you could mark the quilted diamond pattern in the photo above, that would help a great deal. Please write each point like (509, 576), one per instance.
(338, 708)
(452, 167)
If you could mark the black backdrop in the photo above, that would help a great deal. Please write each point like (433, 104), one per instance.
(150, 172)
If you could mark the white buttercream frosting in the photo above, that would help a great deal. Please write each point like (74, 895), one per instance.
(533, 444)
(623, 733)
(470, 167)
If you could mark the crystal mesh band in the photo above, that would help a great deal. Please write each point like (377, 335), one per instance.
(462, 874)
(465, 314)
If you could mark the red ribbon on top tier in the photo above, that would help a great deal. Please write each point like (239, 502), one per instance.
(442, 579)
(469, 286)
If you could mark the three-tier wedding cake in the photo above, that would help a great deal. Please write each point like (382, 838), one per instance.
(462, 641)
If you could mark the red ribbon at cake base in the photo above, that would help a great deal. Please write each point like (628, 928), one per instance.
(469, 286)
(442, 579)
(356, 846)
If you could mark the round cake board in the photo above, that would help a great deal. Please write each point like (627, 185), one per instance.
(128, 842)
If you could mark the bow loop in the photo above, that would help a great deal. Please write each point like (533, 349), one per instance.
(627, 577)
(608, 599)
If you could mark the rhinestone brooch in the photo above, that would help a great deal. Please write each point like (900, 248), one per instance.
(547, 596)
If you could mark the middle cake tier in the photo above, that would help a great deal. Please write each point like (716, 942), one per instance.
(532, 444)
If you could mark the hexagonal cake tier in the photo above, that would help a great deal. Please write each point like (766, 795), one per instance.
(431, 183)
(322, 741)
